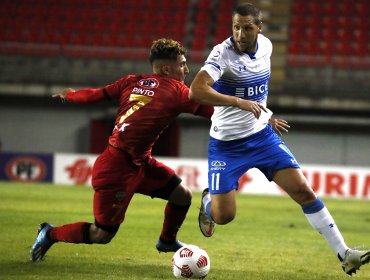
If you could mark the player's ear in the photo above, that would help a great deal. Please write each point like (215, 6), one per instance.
(166, 69)
(260, 28)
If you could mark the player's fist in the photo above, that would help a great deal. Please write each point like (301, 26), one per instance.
(62, 94)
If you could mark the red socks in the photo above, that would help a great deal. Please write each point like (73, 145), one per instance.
(174, 216)
(71, 233)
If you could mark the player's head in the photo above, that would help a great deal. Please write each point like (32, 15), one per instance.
(168, 59)
(246, 24)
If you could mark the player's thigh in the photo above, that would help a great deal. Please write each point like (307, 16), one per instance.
(114, 182)
(294, 183)
(110, 206)
(158, 180)
(111, 168)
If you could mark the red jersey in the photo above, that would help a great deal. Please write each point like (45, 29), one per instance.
(147, 105)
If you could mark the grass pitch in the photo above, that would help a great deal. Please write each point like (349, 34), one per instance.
(269, 239)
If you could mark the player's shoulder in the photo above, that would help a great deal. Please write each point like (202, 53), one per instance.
(127, 79)
(169, 85)
(264, 42)
(224, 46)
(181, 87)
(221, 50)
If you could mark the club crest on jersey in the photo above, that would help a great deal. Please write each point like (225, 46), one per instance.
(148, 83)
(215, 55)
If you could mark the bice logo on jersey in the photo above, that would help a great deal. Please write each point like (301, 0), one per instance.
(148, 83)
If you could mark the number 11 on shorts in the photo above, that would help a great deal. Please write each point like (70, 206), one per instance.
(215, 186)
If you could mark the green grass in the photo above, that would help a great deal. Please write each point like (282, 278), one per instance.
(269, 239)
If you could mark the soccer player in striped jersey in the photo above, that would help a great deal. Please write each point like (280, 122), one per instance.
(148, 103)
(235, 80)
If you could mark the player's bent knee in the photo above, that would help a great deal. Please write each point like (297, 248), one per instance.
(305, 195)
(187, 196)
(181, 196)
(100, 236)
(104, 237)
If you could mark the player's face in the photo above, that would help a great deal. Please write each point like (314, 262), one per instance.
(178, 69)
(245, 33)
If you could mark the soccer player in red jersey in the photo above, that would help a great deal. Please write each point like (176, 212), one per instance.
(147, 105)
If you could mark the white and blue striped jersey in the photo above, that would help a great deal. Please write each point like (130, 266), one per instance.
(242, 75)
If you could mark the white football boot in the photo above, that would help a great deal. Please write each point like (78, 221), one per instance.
(206, 225)
(353, 260)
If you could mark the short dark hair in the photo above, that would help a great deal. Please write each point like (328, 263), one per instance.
(166, 49)
(248, 9)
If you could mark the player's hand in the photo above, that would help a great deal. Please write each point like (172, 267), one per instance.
(251, 106)
(279, 125)
(62, 94)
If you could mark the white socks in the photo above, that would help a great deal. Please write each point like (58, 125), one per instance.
(207, 205)
(324, 223)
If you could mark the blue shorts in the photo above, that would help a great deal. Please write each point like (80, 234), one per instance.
(229, 160)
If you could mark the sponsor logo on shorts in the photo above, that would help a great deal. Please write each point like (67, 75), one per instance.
(218, 165)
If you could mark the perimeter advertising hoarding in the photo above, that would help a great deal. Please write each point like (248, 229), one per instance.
(73, 169)
(26, 167)
(327, 181)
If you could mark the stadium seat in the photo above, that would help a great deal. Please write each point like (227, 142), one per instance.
(341, 29)
(90, 23)
(299, 7)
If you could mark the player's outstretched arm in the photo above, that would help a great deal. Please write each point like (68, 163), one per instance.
(279, 125)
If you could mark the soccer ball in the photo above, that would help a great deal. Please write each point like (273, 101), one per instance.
(190, 261)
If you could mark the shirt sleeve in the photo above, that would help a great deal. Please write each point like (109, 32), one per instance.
(114, 91)
(86, 95)
(215, 64)
(91, 95)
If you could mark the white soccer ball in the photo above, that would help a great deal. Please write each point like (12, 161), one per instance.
(190, 261)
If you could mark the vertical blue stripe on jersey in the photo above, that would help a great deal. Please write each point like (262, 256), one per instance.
(313, 207)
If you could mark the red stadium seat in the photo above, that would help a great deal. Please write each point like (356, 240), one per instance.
(297, 21)
(344, 34)
(299, 7)
(344, 48)
(328, 34)
(314, 7)
(312, 34)
(328, 21)
(360, 49)
(361, 36)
